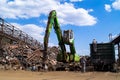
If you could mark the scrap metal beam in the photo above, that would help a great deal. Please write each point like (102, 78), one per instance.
(116, 40)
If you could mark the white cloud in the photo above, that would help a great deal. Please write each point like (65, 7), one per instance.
(67, 13)
(25, 8)
(76, 0)
(107, 8)
(116, 5)
(33, 30)
(90, 10)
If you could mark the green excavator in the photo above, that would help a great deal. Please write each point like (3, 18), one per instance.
(64, 39)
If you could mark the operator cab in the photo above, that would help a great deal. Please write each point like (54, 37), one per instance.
(68, 36)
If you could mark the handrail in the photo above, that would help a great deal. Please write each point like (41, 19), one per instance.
(12, 31)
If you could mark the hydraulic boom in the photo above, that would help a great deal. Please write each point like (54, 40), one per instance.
(66, 38)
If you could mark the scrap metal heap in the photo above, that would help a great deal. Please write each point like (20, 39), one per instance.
(22, 56)
(18, 50)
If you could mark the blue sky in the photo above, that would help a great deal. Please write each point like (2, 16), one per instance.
(89, 19)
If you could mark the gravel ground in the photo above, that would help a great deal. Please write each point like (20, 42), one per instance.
(62, 75)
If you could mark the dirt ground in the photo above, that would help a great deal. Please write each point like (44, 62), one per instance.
(62, 75)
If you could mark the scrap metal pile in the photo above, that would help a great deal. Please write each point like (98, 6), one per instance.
(21, 56)
(18, 50)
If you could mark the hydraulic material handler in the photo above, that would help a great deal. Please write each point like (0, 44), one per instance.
(65, 38)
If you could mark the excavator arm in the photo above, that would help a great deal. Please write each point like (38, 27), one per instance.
(53, 21)
(66, 38)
